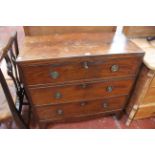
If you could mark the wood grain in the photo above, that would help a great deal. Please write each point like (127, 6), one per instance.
(140, 89)
(139, 31)
(145, 112)
(64, 46)
(80, 108)
(48, 30)
(142, 96)
(84, 63)
(153, 82)
(70, 93)
(100, 68)
(150, 96)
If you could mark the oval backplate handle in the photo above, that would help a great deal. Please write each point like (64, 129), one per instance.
(58, 95)
(114, 68)
(54, 75)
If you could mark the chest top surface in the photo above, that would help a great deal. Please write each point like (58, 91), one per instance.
(149, 49)
(71, 45)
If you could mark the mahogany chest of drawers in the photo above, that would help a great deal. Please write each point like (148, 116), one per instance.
(78, 75)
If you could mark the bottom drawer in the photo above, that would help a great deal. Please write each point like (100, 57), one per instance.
(62, 111)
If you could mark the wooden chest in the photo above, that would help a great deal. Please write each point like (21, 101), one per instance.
(78, 75)
(142, 103)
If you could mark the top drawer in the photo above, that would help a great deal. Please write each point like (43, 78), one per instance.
(80, 70)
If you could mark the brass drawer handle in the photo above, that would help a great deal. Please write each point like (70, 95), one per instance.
(82, 104)
(60, 112)
(58, 95)
(114, 68)
(109, 89)
(85, 65)
(105, 105)
(54, 74)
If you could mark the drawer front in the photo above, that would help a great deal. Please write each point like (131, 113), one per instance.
(85, 91)
(83, 70)
(145, 112)
(153, 82)
(61, 111)
(150, 96)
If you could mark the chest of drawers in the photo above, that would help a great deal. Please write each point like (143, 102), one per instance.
(78, 75)
(142, 103)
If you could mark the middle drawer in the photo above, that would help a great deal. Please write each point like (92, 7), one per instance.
(78, 92)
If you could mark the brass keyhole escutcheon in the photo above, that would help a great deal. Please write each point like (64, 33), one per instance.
(58, 95)
(60, 111)
(85, 64)
(54, 74)
(114, 68)
(109, 89)
(105, 105)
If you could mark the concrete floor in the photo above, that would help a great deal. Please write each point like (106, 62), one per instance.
(109, 122)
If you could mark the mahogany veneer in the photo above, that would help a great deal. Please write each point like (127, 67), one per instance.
(99, 68)
(48, 30)
(80, 91)
(78, 75)
(139, 31)
(142, 104)
(77, 109)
